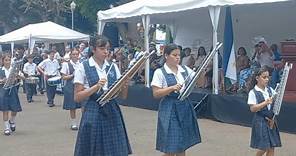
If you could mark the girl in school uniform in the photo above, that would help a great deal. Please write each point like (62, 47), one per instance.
(102, 130)
(67, 72)
(9, 99)
(177, 128)
(265, 133)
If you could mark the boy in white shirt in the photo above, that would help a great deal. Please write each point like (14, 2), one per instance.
(29, 70)
(50, 68)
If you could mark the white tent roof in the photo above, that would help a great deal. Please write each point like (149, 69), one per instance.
(150, 7)
(46, 31)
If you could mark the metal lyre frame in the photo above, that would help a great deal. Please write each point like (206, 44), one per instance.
(280, 90)
(189, 82)
(129, 73)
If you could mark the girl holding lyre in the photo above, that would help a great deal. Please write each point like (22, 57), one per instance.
(9, 99)
(67, 71)
(177, 128)
(265, 133)
(102, 129)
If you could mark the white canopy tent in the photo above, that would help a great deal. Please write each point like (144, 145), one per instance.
(185, 17)
(42, 32)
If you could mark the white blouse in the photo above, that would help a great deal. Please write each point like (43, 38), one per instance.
(80, 76)
(252, 97)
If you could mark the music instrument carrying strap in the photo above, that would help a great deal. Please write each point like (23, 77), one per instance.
(93, 77)
(171, 80)
(264, 112)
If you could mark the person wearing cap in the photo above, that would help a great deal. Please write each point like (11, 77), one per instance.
(29, 70)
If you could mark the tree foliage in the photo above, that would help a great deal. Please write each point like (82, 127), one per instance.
(17, 13)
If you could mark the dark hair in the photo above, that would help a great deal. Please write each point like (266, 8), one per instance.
(243, 49)
(99, 41)
(5, 55)
(169, 48)
(257, 73)
(199, 53)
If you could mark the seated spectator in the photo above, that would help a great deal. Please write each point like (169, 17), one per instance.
(277, 65)
(243, 68)
(188, 59)
(201, 54)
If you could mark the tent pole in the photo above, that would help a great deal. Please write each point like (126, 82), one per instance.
(214, 14)
(146, 23)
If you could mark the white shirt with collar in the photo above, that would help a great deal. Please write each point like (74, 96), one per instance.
(50, 67)
(6, 71)
(160, 81)
(30, 68)
(65, 67)
(252, 97)
(80, 76)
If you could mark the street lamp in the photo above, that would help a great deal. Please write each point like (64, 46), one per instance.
(72, 6)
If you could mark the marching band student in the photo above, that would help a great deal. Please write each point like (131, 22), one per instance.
(50, 68)
(9, 99)
(29, 70)
(177, 128)
(67, 72)
(102, 129)
(265, 133)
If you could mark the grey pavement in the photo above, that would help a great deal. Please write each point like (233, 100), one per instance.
(44, 131)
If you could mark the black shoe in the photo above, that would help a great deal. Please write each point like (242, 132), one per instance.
(42, 92)
(51, 105)
(12, 126)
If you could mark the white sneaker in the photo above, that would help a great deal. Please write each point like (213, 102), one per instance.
(74, 127)
(7, 132)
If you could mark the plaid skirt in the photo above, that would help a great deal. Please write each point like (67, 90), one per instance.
(102, 131)
(69, 102)
(177, 127)
(262, 136)
(9, 100)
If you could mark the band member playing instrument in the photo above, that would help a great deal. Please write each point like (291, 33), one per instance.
(102, 129)
(177, 128)
(67, 72)
(30, 70)
(50, 68)
(9, 99)
(265, 133)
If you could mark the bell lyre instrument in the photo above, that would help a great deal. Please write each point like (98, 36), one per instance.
(12, 77)
(280, 90)
(126, 76)
(190, 82)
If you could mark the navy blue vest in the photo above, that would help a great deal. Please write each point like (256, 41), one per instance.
(264, 112)
(93, 77)
(171, 80)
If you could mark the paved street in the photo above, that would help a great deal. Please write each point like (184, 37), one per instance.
(44, 131)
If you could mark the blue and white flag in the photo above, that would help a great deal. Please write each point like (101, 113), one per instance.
(229, 63)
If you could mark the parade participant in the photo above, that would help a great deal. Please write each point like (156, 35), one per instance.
(102, 129)
(49, 68)
(67, 72)
(177, 128)
(9, 99)
(29, 70)
(265, 133)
